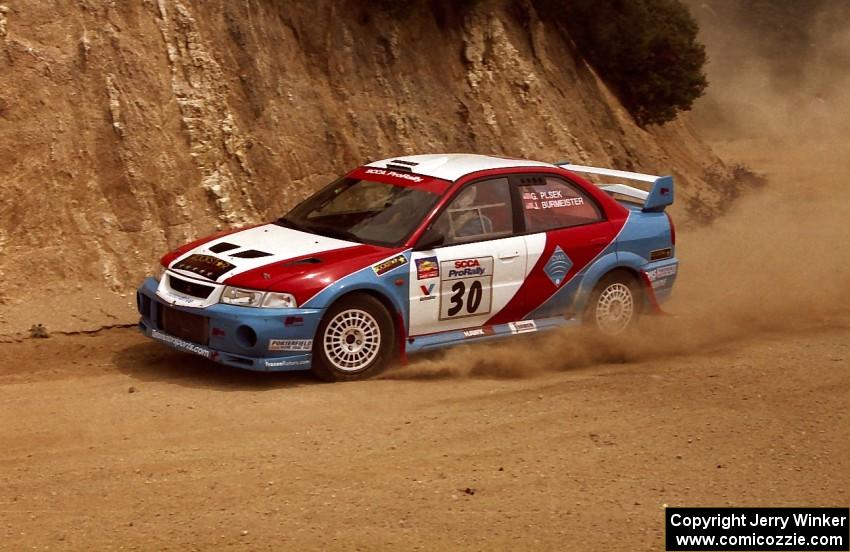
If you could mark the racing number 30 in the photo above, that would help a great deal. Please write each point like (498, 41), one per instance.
(473, 299)
(466, 286)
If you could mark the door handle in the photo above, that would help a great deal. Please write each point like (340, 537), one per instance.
(505, 255)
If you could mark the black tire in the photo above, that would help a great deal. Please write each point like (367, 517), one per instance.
(615, 304)
(341, 349)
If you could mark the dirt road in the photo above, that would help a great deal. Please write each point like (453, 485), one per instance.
(201, 456)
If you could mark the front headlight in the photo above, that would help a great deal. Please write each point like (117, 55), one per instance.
(279, 301)
(254, 298)
(242, 297)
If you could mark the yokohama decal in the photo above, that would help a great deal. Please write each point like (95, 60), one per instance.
(390, 264)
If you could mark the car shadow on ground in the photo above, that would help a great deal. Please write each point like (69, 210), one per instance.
(151, 362)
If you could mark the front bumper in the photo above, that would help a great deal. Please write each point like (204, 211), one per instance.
(244, 337)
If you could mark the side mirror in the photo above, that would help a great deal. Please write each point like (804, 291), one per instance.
(430, 239)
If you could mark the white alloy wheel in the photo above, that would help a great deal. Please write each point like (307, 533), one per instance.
(615, 308)
(352, 340)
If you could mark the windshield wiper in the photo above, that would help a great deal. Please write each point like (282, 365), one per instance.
(283, 221)
(337, 233)
(328, 231)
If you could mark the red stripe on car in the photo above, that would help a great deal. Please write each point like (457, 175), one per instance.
(307, 275)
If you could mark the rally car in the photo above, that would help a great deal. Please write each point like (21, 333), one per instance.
(415, 253)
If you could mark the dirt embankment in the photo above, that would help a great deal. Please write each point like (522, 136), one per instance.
(127, 128)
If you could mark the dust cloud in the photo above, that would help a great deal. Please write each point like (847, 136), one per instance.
(779, 70)
(777, 261)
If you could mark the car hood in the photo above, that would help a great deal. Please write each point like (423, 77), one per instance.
(275, 258)
(224, 257)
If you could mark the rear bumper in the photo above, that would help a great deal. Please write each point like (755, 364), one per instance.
(658, 279)
(243, 337)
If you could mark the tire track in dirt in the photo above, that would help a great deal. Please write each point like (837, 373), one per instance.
(204, 456)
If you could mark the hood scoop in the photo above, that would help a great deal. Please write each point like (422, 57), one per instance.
(311, 260)
(251, 254)
(222, 247)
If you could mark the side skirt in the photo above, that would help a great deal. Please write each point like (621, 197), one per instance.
(430, 342)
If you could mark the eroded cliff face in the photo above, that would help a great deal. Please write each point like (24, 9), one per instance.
(127, 128)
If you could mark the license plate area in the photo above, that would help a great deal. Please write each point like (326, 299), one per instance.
(185, 325)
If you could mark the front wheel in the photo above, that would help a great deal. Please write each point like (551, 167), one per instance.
(354, 340)
(613, 307)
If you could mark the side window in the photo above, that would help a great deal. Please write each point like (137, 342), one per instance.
(549, 203)
(480, 211)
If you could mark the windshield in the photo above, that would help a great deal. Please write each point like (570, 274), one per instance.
(363, 211)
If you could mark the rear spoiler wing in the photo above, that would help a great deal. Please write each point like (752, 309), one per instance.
(659, 196)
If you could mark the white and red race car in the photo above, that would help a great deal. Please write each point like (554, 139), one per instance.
(415, 253)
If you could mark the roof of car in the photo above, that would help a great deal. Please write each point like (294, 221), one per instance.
(451, 166)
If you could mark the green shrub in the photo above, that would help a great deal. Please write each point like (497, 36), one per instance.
(646, 50)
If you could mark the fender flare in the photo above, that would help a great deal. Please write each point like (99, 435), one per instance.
(378, 290)
(592, 275)
(336, 291)
(603, 266)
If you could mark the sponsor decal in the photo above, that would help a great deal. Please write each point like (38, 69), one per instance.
(286, 363)
(390, 264)
(427, 268)
(523, 326)
(299, 345)
(659, 254)
(395, 174)
(207, 266)
(662, 272)
(659, 283)
(467, 268)
(179, 297)
(427, 292)
(180, 344)
(479, 332)
(558, 266)
(466, 287)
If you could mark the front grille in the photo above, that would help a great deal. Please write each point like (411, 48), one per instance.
(184, 325)
(190, 288)
(144, 304)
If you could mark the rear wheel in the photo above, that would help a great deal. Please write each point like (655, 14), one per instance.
(354, 340)
(614, 304)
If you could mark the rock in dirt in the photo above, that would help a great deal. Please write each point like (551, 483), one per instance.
(38, 331)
